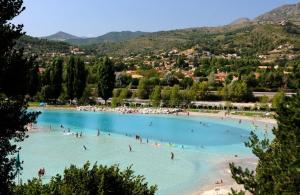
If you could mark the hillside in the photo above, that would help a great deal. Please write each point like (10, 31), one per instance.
(60, 36)
(243, 37)
(42, 47)
(285, 12)
(109, 37)
(247, 40)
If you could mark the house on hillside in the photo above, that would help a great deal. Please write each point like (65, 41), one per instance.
(220, 76)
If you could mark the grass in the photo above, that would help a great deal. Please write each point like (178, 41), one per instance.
(251, 114)
(37, 104)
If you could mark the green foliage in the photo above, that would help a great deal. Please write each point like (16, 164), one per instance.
(56, 77)
(277, 99)
(14, 69)
(175, 96)
(76, 77)
(106, 78)
(186, 82)
(70, 77)
(156, 96)
(278, 161)
(142, 91)
(202, 90)
(187, 96)
(80, 77)
(90, 181)
(237, 91)
(33, 80)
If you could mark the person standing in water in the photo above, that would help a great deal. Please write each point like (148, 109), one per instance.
(98, 133)
(172, 156)
(130, 149)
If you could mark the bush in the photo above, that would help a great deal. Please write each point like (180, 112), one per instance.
(90, 181)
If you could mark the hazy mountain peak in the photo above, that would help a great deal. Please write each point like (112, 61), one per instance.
(240, 21)
(61, 36)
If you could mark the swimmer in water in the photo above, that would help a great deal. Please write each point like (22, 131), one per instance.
(84, 147)
(130, 149)
(172, 156)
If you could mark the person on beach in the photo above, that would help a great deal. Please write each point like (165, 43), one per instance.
(130, 149)
(80, 134)
(172, 156)
(76, 134)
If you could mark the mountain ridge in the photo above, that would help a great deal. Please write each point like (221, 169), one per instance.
(114, 36)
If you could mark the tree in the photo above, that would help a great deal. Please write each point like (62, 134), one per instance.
(76, 77)
(70, 77)
(90, 180)
(188, 96)
(203, 90)
(186, 82)
(175, 97)
(165, 95)
(80, 77)
(211, 79)
(106, 79)
(156, 96)
(142, 90)
(277, 99)
(278, 168)
(56, 77)
(33, 80)
(13, 87)
(237, 91)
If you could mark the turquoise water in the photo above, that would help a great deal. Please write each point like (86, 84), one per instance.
(199, 144)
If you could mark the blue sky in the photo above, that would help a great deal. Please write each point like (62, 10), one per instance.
(96, 17)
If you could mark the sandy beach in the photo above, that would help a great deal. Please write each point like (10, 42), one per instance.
(223, 172)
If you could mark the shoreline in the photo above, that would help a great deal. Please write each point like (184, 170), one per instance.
(222, 169)
(223, 172)
(168, 111)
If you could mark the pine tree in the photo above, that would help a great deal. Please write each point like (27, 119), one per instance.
(14, 68)
(278, 168)
(106, 79)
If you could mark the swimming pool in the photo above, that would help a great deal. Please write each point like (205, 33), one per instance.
(198, 143)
